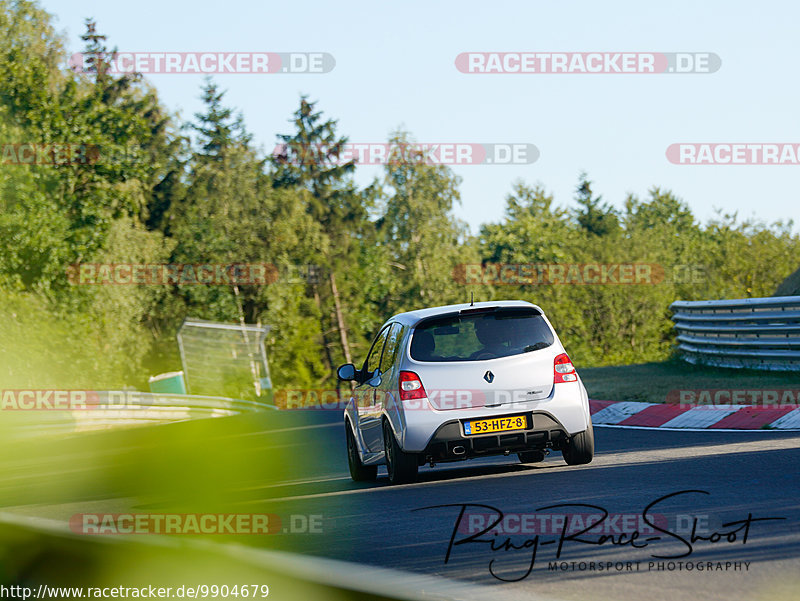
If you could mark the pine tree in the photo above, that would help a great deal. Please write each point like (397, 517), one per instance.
(594, 216)
(309, 161)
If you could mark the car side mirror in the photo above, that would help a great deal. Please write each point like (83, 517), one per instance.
(346, 372)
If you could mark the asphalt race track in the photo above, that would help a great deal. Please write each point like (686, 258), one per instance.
(746, 475)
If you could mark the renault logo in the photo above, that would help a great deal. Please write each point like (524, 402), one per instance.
(489, 377)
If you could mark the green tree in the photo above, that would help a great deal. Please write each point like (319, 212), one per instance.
(423, 239)
(593, 215)
(231, 213)
(309, 163)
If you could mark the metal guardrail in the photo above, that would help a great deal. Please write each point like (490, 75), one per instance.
(120, 409)
(756, 333)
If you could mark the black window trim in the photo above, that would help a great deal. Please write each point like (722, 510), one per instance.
(383, 351)
(363, 369)
(534, 311)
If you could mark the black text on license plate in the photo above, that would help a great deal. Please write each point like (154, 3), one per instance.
(495, 424)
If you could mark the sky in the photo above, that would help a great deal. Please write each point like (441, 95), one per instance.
(395, 67)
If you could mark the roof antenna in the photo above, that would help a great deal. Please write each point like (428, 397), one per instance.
(471, 299)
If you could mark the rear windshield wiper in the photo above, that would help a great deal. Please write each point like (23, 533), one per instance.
(535, 347)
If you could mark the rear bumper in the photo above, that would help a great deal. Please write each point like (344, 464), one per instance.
(449, 443)
(566, 410)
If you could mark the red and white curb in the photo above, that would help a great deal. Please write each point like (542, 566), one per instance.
(680, 417)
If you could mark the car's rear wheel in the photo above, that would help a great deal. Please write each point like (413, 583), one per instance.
(358, 471)
(401, 466)
(531, 456)
(580, 448)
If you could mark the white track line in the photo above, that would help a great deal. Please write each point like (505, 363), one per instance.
(603, 460)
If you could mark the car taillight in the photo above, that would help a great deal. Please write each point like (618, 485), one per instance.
(563, 370)
(411, 386)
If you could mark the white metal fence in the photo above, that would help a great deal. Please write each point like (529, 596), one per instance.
(224, 359)
(758, 333)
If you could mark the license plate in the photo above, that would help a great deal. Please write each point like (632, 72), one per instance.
(495, 424)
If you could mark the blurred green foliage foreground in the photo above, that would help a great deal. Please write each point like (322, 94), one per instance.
(161, 190)
(209, 467)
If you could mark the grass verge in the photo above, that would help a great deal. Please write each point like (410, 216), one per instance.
(651, 382)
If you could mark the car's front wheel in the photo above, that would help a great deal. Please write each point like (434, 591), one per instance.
(401, 466)
(358, 471)
(580, 448)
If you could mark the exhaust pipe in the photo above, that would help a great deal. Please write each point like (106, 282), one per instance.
(459, 450)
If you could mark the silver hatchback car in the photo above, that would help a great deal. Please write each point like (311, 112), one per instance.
(464, 381)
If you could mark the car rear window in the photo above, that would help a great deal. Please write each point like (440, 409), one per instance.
(480, 335)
